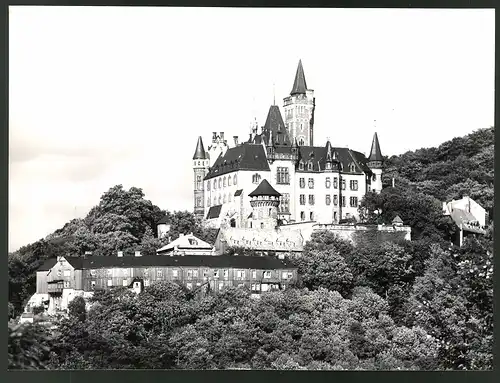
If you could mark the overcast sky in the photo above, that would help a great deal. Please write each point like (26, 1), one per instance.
(104, 95)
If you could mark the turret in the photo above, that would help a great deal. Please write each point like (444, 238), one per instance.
(200, 170)
(265, 201)
(375, 162)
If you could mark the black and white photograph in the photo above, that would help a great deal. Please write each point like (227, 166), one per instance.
(250, 188)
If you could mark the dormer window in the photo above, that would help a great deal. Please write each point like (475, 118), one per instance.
(328, 165)
(309, 166)
(301, 165)
(352, 168)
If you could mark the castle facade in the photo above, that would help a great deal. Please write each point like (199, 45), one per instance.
(322, 184)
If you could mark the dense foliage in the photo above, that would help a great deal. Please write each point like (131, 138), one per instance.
(122, 221)
(370, 304)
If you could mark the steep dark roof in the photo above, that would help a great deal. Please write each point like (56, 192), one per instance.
(221, 261)
(242, 157)
(48, 264)
(375, 153)
(214, 212)
(199, 153)
(299, 85)
(164, 220)
(274, 123)
(317, 155)
(264, 189)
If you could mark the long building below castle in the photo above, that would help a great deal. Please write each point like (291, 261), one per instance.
(322, 184)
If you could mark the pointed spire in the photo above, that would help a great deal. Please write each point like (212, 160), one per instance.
(299, 85)
(199, 153)
(375, 153)
(274, 95)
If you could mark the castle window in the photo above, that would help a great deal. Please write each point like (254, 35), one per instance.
(310, 183)
(224, 199)
(343, 201)
(256, 178)
(302, 216)
(302, 183)
(199, 184)
(235, 180)
(208, 186)
(284, 205)
(335, 183)
(208, 202)
(311, 216)
(224, 183)
(353, 185)
(335, 200)
(309, 166)
(229, 179)
(190, 274)
(215, 184)
(262, 225)
(328, 165)
(159, 273)
(302, 199)
(220, 183)
(198, 202)
(301, 142)
(374, 177)
(301, 127)
(353, 201)
(283, 177)
(229, 197)
(328, 183)
(352, 168)
(215, 200)
(343, 184)
(311, 199)
(301, 165)
(328, 199)
(220, 200)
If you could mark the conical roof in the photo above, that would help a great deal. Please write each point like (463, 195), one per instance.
(264, 189)
(397, 219)
(274, 123)
(375, 153)
(199, 153)
(299, 85)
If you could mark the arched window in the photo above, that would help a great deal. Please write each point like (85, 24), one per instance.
(229, 179)
(215, 184)
(352, 168)
(199, 185)
(220, 183)
(208, 202)
(224, 182)
(301, 165)
(256, 178)
(235, 180)
(262, 225)
(328, 182)
(270, 212)
(219, 199)
(215, 200)
(309, 166)
(208, 186)
(229, 197)
(301, 142)
(311, 216)
(224, 200)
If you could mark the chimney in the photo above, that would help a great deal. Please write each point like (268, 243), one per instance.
(120, 253)
(138, 254)
(235, 140)
(222, 136)
(214, 137)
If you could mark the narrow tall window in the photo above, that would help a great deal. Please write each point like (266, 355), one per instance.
(335, 183)
(353, 201)
(335, 200)
(199, 183)
(224, 182)
(311, 183)
(302, 183)
(302, 199)
(328, 182)
(311, 199)
(284, 206)
(302, 216)
(343, 201)
(282, 176)
(328, 199)
(343, 184)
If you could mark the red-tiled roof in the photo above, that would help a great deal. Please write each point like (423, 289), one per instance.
(264, 189)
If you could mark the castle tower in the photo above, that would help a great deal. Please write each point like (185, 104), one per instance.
(200, 169)
(265, 201)
(375, 161)
(299, 110)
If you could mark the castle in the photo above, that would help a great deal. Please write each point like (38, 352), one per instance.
(322, 184)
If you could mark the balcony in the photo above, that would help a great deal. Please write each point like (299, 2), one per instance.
(55, 287)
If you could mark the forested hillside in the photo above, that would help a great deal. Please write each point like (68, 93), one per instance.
(422, 304)
(122, 221)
